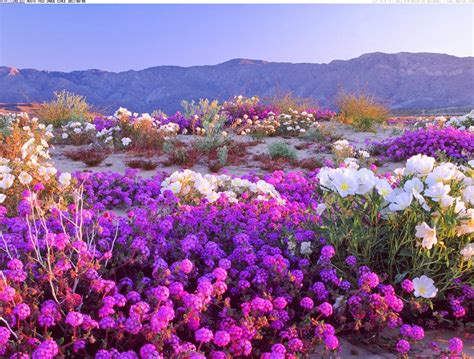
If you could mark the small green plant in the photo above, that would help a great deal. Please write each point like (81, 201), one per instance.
(281, 150)
(178, 154)
(65, 107)
(222, 155)
(213, 135)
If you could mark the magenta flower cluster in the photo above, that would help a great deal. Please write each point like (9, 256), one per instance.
(432, 141)
(213, 280)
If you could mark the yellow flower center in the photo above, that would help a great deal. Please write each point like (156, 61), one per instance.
(344, 186)
(422, 290)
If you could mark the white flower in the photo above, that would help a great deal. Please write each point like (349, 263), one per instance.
(25, 178)
(428, 235)
(64, 135)
(175, 187)
(467, 252)
(467, 222)
(306, 248)
(364, 154)
(5, 169)
(399, 200)
(64, 179)
(2, 197)
(414, 184)
(424, 287)
(126, 141)
(442, 173)
(345, 183)
(351, 163)
(468, 194)
(7, 181)
(437, 192)
(366, 179)
(420, 165)
(383, 187)
(320, 208)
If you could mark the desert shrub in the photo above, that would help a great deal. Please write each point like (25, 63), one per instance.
(360, 111)
(145, 164)
(205, 111)
(454, 144)
(285, 103)
(212, 136)
(65, 107)
(322, 133)
(92, 155)
(310, 163)
(281, 150)
(411, 225)
(178, 154)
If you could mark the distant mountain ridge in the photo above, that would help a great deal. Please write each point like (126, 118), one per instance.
(403, 80)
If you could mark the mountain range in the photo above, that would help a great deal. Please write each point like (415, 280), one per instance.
(403, 81)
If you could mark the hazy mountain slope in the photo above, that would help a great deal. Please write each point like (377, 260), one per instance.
(403, 80)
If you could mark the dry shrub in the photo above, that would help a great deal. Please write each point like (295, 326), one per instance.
(283, 103)
(91, 156)
(147, 165)
(65, 107)
(361, 111)
(310, 163)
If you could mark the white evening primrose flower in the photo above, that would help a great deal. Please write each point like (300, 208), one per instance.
(320, 208)
(305, 248)
(428, 235)
(467, 252)
(414, 184)
(440, 174)
(467, 222)
(345, 182)
(424, 287)
(64, 179)
(364, 154)
(5, 169)
(383, 187)
(64, 136)
(212, 196)
(420, 165)
(366, 179)
(471, 163)
(446, 201)
(7, 181)
(437, 191)
(25, 178)
(399, 200)
(2, 198)
(126, 141)
(174, 187)
(468, 194)
(351, 163)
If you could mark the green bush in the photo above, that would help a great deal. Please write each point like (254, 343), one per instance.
(281, 150)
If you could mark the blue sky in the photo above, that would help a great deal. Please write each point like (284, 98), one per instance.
(123, 37)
